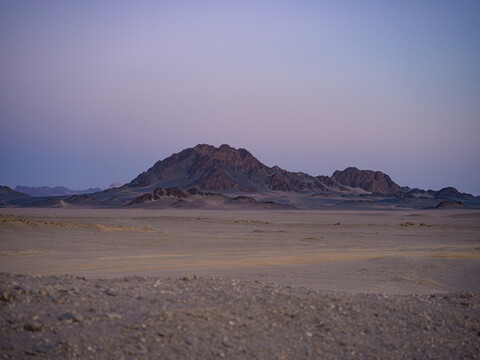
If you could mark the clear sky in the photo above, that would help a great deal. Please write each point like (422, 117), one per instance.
(93, 92)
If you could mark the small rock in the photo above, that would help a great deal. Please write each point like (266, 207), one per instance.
(34, 326)
(110, 292)
(42, 349)
(112, 316)
(78, 318)
(66, 317)
(5, 295)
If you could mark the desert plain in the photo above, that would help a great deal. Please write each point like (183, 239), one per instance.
(239, 283)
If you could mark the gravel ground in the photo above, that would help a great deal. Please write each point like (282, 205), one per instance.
(65, 317)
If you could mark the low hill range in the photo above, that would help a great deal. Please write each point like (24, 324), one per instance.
(41, 191)
(209, 177)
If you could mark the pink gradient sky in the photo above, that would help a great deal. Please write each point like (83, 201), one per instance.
(93, 92)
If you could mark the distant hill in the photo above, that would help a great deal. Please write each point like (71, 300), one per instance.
(451, 193)
(55, 191)
(114, 185)
(447, 204)
(6, 192)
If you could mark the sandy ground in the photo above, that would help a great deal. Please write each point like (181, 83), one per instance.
(391, 252)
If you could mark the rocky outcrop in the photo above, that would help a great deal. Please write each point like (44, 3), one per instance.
(447, 204)
(80, 200)
(450, 193)
(368, 180)
(176, 197)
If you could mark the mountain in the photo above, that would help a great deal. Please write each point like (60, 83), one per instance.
(115, 184)
(56, 191)
(447, 204)
(368, 180)
(6, 192)
(225, 169)
(450, 193)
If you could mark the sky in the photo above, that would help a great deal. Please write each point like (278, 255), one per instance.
(93, 92)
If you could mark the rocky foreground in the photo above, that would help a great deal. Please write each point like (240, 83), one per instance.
(64, 317)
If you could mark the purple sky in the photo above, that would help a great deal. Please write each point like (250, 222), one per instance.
(93, 92)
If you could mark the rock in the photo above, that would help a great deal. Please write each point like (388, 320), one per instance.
(5, 295)
(66, 317)
(110, 292)
(113, 316)
(42, 349)
(78, 318)
(33, 326)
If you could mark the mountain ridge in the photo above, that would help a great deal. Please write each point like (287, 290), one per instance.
(224, 177)
(41, 191)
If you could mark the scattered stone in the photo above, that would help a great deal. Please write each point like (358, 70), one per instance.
(231, 319)
(5, 295)
(66, 318)
(110, 292)
(34, 326)
(42, 349)
(78, 318)
(113, 316)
